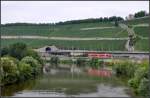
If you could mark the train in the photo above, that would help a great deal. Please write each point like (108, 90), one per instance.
(100, 55)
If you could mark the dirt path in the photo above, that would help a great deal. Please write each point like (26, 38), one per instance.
(141, 25)
(130, 32)
(61, 38)
(96, 28)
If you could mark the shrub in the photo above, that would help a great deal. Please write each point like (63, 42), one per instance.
(9, 70)
(4, 51)
(81, 62)
(140, 81)
(66, 62)
(16, 61)
(36, 66)
(25, 71)
(54, 61)
(94, 63)
(35, 55)
(18, 50)
(144, 87)
(125, 68)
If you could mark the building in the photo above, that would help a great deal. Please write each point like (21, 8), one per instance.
(130, 17)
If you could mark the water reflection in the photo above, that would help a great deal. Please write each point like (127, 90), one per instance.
(63, 84)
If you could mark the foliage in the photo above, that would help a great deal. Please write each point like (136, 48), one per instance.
(140, 81)
(124, 68)
(67, 30)
(137, 74)
(18, 50)
(103, 45)
(142, 31)
(4, 51)
(142, 45)
(142, 20)
(140, 14)
(9, 71)
(91, 20)
(144, 87)
(35, 55)
(66, 61)
(133, 40)
(36, 66)
(12, 70)
(15, 60)
(25, 71)
(116, 23)
(81, 62)
(54, 61)
(94, 63)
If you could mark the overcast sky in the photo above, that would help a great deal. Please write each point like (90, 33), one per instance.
(55, 11)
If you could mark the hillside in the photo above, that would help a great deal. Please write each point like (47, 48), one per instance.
(141, 29)
(71, 30)
(80, 30)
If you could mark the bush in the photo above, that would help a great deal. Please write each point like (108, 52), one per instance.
(54, 61)
(18, 50)
(12, 70)
(9, 71)
(36, 66)
(94, 63)
(144, 87)
(125, 68)
(35, 55)
(81, 62)
(16, 61)
(66, 62)
(4, 51)
(25, 71)
(140, 81)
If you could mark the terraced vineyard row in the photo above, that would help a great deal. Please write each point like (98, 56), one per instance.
(64, 31)
(89, 45)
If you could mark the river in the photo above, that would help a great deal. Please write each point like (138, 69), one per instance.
(67, 84)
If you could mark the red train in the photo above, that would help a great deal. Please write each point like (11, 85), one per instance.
(99, 55)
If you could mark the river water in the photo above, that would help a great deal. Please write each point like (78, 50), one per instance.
(67, 84)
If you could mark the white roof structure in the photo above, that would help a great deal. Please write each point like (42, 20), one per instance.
(43, 49)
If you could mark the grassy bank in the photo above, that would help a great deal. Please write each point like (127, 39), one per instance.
(137, 74)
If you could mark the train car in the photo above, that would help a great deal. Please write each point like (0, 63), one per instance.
(100, 55)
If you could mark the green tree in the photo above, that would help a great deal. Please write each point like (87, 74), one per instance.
(35, 55)
(116, 23)
(4, 51)
(36, 66)
(9, 71)
(140, 14)
(25, 71)
(18, 50)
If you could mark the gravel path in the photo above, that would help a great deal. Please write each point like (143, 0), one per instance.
(130, 32)
(60, 38)
(96, 28)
